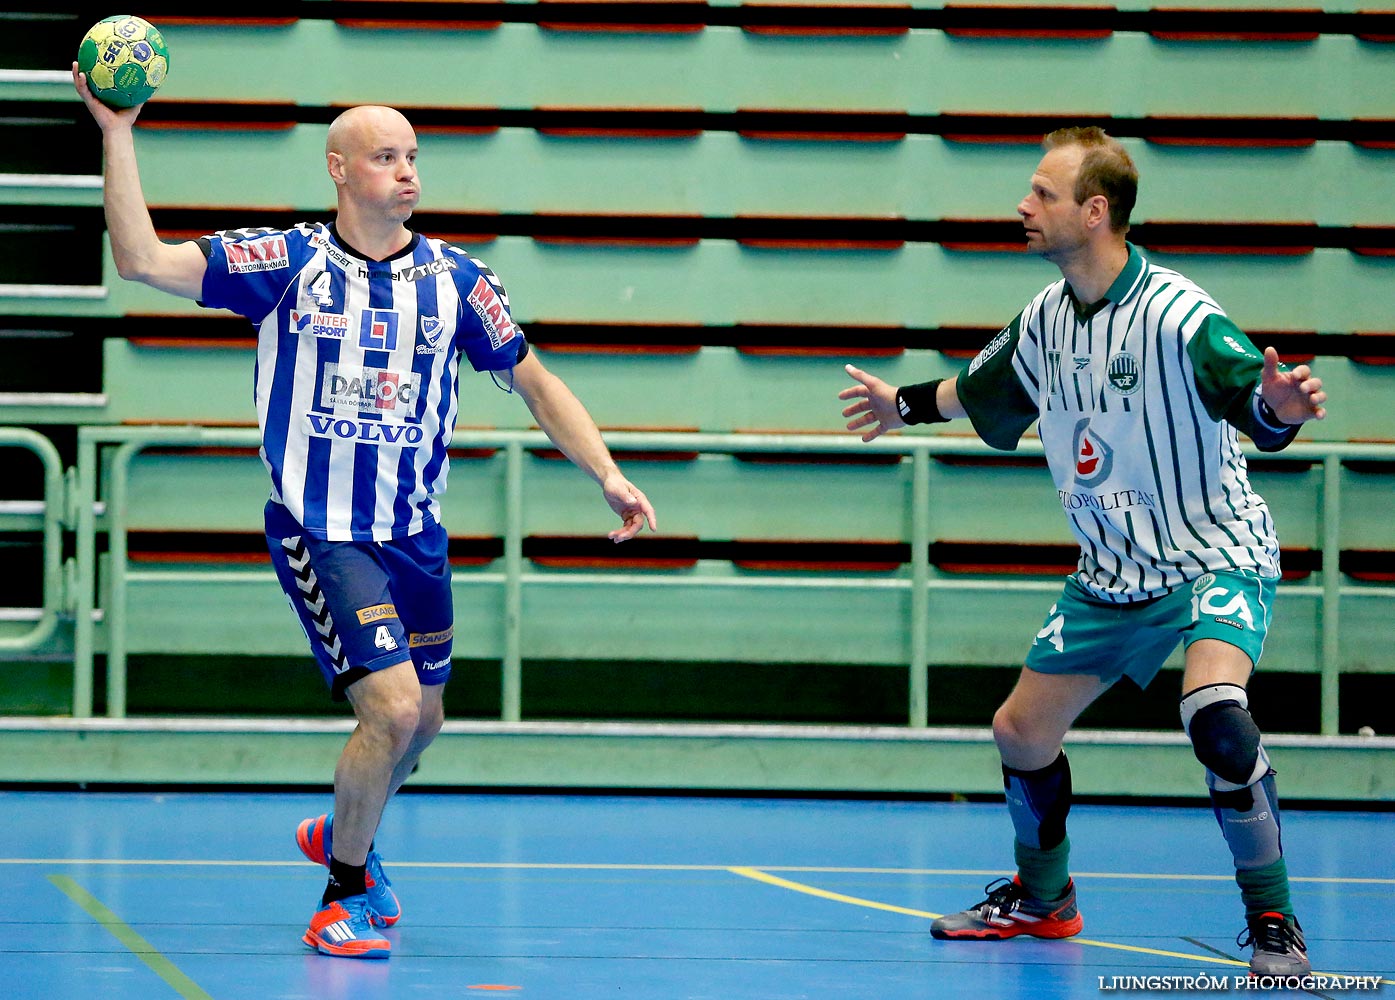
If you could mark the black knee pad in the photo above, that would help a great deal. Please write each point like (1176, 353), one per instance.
(1224, 735)
(1226, 740)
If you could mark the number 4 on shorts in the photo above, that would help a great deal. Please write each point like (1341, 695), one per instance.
(383, 638)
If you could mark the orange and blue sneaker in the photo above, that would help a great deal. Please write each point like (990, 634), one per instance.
(1009, 911)
(344, 929)
(314, 838)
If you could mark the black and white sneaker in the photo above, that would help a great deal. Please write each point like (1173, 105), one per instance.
(1009, 911)
(1279, 946)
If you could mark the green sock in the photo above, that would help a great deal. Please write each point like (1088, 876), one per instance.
(1043, 871)
(1265, 890)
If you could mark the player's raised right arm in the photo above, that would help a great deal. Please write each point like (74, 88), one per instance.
(138, 252)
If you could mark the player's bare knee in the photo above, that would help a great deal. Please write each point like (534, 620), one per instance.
(1005, 728)
(392, 720)
(429, 722)
(1020, 741)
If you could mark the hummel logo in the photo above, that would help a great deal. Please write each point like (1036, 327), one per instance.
(298, 558)
(296, 552)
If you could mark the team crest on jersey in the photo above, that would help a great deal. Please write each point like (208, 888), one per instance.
(490, 309)
(268, 253)
(1124, 373)
(431, 328)
(1094, 458)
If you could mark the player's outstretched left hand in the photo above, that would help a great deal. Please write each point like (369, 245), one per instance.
(1295, 396)
(632, 505)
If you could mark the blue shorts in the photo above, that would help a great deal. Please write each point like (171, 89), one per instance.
(1083, 635)
(365, 606)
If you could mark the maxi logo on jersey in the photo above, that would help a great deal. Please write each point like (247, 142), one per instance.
(265, 254)
(491, 311)
(368, 390)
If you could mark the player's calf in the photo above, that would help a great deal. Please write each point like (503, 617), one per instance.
(1227, 741)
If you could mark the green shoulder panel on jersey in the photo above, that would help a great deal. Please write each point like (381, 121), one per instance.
(1228, 367)
(999, 406)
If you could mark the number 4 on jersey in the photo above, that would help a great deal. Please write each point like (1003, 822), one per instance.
(320, 289)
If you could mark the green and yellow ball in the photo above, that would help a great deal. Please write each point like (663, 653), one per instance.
(124, 59)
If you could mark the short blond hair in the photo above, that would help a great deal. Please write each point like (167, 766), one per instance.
(1106, 169)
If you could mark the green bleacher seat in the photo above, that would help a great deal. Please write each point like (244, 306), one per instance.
(701, 212)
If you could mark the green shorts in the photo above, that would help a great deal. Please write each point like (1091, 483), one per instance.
(1083, 635)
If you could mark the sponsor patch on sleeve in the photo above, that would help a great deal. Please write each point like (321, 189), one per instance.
(993, 347)
(267, 253)
(494, 317)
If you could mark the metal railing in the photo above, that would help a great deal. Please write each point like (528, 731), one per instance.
(53, 518)
(127, 442)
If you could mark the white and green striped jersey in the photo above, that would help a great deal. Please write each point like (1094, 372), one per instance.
(1139, 400)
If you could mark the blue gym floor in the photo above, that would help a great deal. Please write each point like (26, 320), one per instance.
(147, 896)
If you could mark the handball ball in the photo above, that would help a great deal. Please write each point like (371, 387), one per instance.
(124, 59)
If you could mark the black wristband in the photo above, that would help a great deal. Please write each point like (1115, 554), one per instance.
(916, 403)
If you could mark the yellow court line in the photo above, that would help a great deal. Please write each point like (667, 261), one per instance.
(838, 897)
(137, 945)
(611, 866)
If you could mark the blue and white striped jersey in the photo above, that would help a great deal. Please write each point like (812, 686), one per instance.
(357, 366)
(1138, 401)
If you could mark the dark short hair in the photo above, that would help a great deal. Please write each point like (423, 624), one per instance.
(1105, 169)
